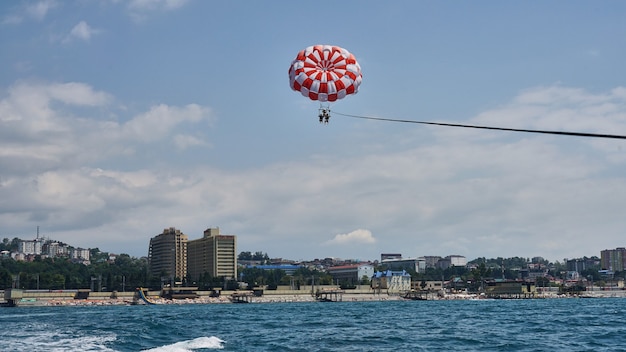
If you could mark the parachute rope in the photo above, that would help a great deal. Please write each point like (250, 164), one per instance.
(562, 133)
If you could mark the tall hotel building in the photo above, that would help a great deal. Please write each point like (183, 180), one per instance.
(613, 259)
(167, 254)
(214, 253)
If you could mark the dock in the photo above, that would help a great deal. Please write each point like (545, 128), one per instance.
(179, 292)
(329, 295)
(241, 297)
(516, 295)
(416, 295)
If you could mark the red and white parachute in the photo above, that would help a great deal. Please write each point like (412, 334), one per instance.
(325, 73)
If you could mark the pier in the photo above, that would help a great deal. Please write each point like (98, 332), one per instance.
(13, 296)
(510, 289)
(241, 297)
(516, 295)
(416, 295)
(179, 292)
(329, 295)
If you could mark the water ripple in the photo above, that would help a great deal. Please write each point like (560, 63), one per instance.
(489, 325)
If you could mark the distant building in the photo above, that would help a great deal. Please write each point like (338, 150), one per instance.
(510, 289)
(444, 263)
(289, 269)
(613, 259)
(55, 249)
(457, 260)
(30, 247)
(413, 264)
(167, 255)
(214, 253)
(427, 285)
(80, 253)
(18, 256)
(45, 248)
(385, 256)
(392, 281)
(537, 260)
(450, 261)
(581, 264)
(431, 260)
(351, 274)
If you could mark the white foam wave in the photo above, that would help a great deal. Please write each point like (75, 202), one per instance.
(57, 341)
(190, 345)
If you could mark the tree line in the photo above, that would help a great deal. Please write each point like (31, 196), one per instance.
(122, 274)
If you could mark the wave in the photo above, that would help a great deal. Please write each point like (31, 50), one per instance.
(55, 340)
(190, 345)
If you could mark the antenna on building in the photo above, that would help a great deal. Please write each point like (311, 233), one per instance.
(37, 231)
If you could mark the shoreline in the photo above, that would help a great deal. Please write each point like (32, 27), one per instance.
(289, 298)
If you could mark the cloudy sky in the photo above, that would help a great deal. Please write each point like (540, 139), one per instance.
(121, 118)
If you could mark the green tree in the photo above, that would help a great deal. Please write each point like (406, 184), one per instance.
(262, 257)
(244, 256)
(4, 245)
(10, 246)
(125, 272)
(6, 280)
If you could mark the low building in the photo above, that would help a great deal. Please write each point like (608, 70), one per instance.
(351, 274)
(457, 260)
(452, 261)
(510, 289)
(30, 247)
(425, 285)
(431, 260)
(392, 281)
(80, 253)
(289, 269)
(385, 256)
(412, 264)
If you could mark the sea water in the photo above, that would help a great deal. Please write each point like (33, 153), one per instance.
(478, 325)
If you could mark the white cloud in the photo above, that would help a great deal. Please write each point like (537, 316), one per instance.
(77, 94)
(159, 121)
(36, 11)
(359, 236)
(12, 19)
(562, 109)
(81, 31)
(40, 128)
(23, 66)
(30, 103)
(40, 9)
(186, 141)
(150, 5)
(474, 193)
(140, 9)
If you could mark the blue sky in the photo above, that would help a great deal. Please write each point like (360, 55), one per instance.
(121, 118)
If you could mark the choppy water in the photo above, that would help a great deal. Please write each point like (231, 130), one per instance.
(485, 325)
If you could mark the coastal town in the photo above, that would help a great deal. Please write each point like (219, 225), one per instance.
(178, 270)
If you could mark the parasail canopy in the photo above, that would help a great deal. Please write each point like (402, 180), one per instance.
(325, 73)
